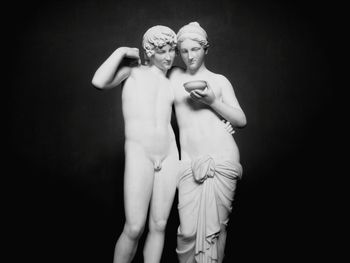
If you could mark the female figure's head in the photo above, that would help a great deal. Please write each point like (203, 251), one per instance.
(192, 43)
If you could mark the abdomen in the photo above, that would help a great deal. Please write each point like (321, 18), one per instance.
(208, 137)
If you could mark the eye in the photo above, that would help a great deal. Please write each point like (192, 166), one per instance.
(183, 51)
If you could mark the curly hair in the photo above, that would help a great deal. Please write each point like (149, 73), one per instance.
(157, 37)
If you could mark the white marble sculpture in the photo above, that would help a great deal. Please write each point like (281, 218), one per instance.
(210, 161)
(207, 174)
(151, 156)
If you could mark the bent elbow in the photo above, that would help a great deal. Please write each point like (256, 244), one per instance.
(97, 84)
(242, 123)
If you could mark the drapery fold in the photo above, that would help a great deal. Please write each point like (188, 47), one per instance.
(206, 189)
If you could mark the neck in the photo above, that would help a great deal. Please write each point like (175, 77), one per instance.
(202, 68)
(157, 70)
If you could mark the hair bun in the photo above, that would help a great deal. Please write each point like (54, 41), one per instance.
(194, 24)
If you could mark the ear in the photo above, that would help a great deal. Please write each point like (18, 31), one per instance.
(149, 53)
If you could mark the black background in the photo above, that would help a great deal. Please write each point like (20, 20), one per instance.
(66, 154)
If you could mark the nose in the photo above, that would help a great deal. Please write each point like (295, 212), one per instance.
(167, 56)
(190, 55)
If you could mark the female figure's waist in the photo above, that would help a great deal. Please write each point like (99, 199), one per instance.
(216, 143)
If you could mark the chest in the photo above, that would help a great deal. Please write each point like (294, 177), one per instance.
(183, 97)
(147, 90)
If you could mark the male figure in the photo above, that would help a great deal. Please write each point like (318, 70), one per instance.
(151, 156)
(209, 154)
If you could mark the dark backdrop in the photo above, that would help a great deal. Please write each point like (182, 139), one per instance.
(66, 138)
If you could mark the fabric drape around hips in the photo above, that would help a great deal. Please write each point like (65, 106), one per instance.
(206, 190)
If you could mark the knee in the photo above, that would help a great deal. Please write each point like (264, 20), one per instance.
(187, 233)
(133, 231)
(158, 225)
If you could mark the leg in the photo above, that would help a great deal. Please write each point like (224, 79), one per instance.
(164, 188)
(188, 208)
(138, 183)
(222, 243)
(224, 214)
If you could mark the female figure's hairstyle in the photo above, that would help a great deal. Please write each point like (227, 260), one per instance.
(194, 32)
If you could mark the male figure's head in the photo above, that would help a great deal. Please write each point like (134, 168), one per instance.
(159, 43)
(192, 43)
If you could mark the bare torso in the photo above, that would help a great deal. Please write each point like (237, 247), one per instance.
(147, 100)
(201, 129)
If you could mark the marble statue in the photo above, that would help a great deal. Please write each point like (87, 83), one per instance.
(210, 160)
(151, 155)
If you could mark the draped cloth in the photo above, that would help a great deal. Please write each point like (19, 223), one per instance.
(206, 191)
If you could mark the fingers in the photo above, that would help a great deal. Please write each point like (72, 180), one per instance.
(134, 50)
(133, 53)
(203, 92)
(230, 130)
(226, 122)
(195, 95)
(228, 127)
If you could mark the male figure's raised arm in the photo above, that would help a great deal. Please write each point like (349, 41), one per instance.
(112, 72)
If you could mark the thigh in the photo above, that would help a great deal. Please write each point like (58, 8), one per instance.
(164, 187)
(138, 183)
(189, 195)
(225, 196)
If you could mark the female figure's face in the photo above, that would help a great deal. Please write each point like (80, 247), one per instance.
(192, 54)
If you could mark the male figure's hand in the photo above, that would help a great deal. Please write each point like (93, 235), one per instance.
(205, 96)
(228, 127)
(131, 53)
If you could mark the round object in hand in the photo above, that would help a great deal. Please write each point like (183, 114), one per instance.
(195, 84)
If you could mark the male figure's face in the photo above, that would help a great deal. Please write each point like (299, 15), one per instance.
(192, 54)
(163, 57)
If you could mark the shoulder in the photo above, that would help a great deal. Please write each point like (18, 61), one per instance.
(140, 69)
(218, 78)
(133, 73)
(175, 71)
(221, 78)
(223, 81)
